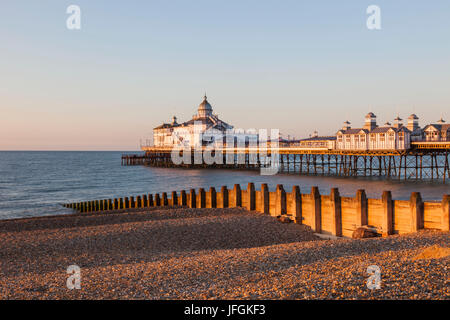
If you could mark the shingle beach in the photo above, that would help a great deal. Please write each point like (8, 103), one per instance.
(182, 253)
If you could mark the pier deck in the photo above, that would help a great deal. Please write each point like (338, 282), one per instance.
(424, 161)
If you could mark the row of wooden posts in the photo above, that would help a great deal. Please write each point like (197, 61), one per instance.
(329, 214)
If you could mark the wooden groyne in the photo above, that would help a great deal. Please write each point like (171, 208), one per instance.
(328, 214)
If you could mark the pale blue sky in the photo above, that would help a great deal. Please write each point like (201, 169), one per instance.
(293, 65)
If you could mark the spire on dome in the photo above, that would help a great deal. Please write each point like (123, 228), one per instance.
(205, 109)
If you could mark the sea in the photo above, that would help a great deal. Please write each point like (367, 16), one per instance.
(37, 183)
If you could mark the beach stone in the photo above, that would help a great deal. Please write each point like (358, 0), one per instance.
(364, 232)
(284, 219)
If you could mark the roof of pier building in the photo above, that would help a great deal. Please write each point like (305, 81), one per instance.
(204, 116)
(398, 127)
(442, 127)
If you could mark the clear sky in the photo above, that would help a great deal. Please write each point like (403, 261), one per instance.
(294, 65)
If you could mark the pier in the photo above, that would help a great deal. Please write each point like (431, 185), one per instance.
(423, 161)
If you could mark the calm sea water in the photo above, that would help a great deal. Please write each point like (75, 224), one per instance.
(37, 183)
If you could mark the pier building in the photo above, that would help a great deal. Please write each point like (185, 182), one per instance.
(374, 137)
(205, 128)
(439, 131)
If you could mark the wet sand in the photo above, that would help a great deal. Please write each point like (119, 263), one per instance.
(211, 254)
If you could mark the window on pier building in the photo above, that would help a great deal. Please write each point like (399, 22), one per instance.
(382, 137)
(347, 138)
(373, 137)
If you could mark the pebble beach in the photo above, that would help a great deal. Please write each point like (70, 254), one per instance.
(180, 253)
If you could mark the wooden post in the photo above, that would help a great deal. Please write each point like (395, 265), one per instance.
(213, 194)
(316, 212)
(110, 207)
(144, 201)
(151, 203)
(183, 198)
(251, 204)
(202, 198)
(132, 203)
(138, 202)
(446, 213)
(388, 207)
(157, 200)
(416, 206)
(337, 212)
(361, 208)
(193, 197)
(265, 198)
(165, 201)
(174, 198)
(121, 203)
(224, 191)
(127, 203)
(297, 198)
(238, 195)
(280, 205)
